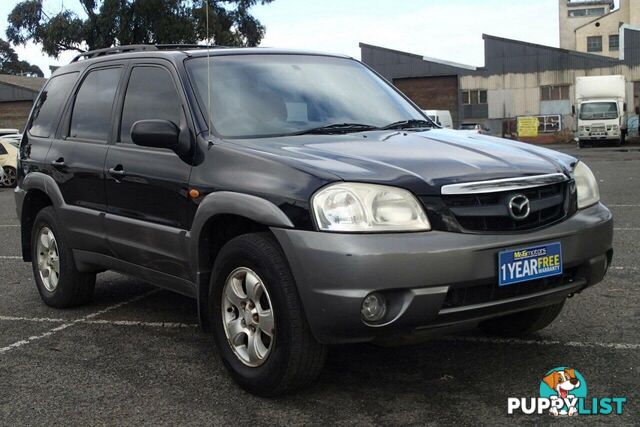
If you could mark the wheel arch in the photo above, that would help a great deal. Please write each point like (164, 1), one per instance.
(220, 217)
(39, 191)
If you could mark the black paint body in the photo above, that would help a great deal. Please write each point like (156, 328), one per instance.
(127, 207)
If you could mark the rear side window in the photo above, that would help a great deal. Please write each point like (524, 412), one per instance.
(151, 94)
(46, 108)
(3, 151)
(91, 116)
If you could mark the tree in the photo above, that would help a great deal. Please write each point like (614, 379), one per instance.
(119, 22)
(10, 64)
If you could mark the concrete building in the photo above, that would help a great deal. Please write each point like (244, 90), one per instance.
(518, 79)
(17, 94)
(594, 26)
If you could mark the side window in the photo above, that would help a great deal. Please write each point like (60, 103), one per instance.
(3, 151)
(46, 108)
(151, 94)
(91, 116)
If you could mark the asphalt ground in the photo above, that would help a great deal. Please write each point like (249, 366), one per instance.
(136, 356)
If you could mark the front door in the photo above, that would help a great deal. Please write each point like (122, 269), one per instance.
(147, 192)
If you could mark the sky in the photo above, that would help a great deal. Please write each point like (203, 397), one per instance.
(445, 29)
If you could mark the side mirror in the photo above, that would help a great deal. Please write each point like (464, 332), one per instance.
(156, 133)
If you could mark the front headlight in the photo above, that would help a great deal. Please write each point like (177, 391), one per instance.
(356, 207)
(586, 186)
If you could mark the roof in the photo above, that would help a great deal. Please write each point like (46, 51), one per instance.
(424, 58)
(606, 15)
(33, 84)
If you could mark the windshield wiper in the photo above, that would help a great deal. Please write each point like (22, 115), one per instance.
(409, 124)
(337, 128)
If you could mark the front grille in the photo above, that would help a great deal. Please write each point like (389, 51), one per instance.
(481, 293)
(489, 212)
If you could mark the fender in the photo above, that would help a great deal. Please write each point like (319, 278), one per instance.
(226, 203)
(229, 203)
(44, 183)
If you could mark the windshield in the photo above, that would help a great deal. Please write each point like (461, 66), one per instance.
(598, 110)
(270, 95)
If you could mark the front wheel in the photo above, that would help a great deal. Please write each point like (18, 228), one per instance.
(522, 323)
(258, 321)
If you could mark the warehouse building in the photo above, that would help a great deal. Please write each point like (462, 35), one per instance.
(17, 94)
(518, 79)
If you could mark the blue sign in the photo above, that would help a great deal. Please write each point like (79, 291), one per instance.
(521, 265)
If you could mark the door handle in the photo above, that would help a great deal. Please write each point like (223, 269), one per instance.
(117, 172)
(58, 163)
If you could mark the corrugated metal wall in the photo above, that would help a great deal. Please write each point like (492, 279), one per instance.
(13, 93)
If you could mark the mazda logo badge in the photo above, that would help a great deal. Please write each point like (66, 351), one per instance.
(519, 206)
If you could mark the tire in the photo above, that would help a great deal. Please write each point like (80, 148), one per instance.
(582, 144)
(522, 323)
(9, 179)
(68, 287)
(294, 358)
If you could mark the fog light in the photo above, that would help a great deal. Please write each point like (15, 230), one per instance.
(374, 307)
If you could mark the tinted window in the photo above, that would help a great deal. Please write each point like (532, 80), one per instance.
(268, 95)
(151, 94)
(2, 150)
(46, 108)
(91, 117)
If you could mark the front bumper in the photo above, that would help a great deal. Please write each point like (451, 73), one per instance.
(426, 276)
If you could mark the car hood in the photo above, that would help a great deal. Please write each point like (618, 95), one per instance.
(420, 161)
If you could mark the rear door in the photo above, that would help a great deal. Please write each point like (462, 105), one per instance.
(78, 152)
(146, 187)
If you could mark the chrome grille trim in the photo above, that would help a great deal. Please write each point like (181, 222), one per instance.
(505, 184)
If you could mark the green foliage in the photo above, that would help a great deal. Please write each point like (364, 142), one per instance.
(119, 22)
(10, 64)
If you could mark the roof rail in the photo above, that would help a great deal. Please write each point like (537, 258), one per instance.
(139, 48)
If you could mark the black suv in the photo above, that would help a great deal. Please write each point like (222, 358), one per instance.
(301, 199)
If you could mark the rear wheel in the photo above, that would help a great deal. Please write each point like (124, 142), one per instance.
(258, 322)
(523, 322)
(9, 179)
(59, 283)
(582, 144)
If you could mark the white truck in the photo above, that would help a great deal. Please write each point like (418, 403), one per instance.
(601, 109)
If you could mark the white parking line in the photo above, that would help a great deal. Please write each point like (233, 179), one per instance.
(626, 229)
(64, 326)
(490, 340)
(485, 340)
(100, 322)
(9, 225)
(10, 257)
(623, 206)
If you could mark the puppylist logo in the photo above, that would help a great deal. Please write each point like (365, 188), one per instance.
(563, 392)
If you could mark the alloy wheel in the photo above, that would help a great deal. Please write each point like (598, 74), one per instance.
(247, 317)
(48, 259)
(9, 178)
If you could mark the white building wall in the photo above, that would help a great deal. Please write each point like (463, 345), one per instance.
(512, 95)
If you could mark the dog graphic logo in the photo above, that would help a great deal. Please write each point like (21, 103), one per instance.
(563, 386)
